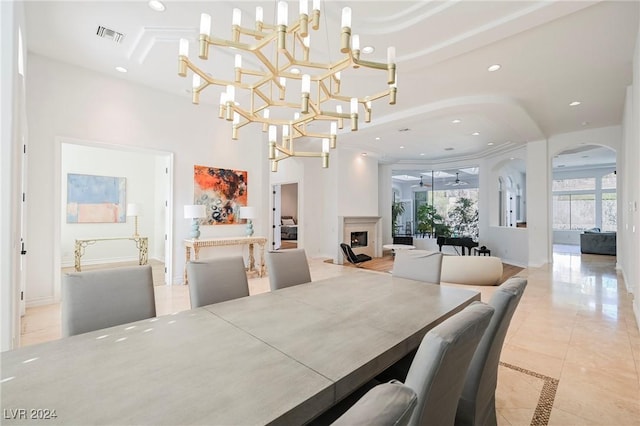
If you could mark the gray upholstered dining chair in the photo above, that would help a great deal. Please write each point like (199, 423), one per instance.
(216, 280)
(93, 300)
(287, 268)
(438, 370)
(419, 265)
(386, 404)
(477, 405)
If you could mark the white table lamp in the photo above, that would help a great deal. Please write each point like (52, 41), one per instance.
(133, 210)
(249, 214)
(195, 212)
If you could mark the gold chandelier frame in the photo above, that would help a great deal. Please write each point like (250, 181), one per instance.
(291, 47)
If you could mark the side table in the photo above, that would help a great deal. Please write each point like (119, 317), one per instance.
(479, 251)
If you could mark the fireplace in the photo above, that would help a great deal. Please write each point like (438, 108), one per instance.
(363, 233)
(359, 239)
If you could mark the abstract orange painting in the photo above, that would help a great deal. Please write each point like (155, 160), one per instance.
(222, 191)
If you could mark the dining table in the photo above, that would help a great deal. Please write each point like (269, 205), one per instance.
(281, 357)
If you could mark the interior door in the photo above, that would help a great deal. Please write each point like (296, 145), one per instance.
(277, 207)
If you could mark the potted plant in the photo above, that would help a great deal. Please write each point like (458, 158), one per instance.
(428, 218)
(397, 210)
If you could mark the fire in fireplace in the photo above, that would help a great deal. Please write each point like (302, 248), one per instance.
(359, 239)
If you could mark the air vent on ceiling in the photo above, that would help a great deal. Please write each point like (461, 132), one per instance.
(110, 34)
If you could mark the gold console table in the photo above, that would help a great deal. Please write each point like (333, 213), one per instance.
(197, 243)
(142, 244)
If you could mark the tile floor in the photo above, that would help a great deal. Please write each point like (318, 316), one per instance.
(571, 356)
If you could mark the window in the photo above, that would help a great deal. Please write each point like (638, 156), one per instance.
(585, 202)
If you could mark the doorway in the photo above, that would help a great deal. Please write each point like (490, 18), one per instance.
(148, 175)
(286, 220)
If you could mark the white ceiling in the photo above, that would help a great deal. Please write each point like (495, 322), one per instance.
(551, 53)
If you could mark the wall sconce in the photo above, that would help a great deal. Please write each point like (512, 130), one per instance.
(133, 210)
(195, 212)
(249, 214)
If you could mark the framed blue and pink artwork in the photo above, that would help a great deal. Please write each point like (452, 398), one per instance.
(96, 199)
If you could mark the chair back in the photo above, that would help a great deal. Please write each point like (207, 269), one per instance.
(438, 370)
(477, 402)
(216, 280)
(93, 300)
(419, 265)
(287, 268)
(386, 404)
(348, 253)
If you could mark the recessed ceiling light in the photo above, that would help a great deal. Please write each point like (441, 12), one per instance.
(490, 143)
(575, 103)
(456, 121)
(121, 69)
(494, 67)
(422, 153)
(448, 149)
(401, 146)
(157, 5)
(295, 71)
(475, 134)
(368, 49)
(364, 154)
(377, 138)
(511, 158)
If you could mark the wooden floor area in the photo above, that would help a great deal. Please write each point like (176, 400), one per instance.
(385, 264)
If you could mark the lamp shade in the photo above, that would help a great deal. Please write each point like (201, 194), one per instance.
(133, 209)
(194, 211)
(247, 213)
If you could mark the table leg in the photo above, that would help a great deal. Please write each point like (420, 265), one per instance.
(187, 259)
(143, 250)
(262, 264)
(78, 254)
(252, 259)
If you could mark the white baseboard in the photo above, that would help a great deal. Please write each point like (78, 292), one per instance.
(41, 301)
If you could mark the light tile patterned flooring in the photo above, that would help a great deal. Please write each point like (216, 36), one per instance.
(574, 328)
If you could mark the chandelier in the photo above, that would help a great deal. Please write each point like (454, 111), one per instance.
(282, 54)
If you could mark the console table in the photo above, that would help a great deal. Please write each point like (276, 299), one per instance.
(197, 243)
(142, 244)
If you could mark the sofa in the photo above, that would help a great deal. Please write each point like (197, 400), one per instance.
(470, 270)
(594, 241)
(473, 270)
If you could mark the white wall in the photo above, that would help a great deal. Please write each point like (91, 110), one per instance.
(629, 226)
(141, 173)
(70, 102)
(290, 200)
(538, 208)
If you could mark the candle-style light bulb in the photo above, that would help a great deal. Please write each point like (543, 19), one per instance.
(238, 61)
(259, 14)
(316, 4)
(231, 93)
(236, 17)
(355, 42)
(196, 81)
(325, 144)
(283, 13)
(272, 133)
(354, 105)
(205, 24)
(306, 83)
(391, 55)
(334, 128)
(346, 17)
(184, 47)
(304, 7)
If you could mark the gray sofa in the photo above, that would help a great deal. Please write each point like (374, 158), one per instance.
(596, 242)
